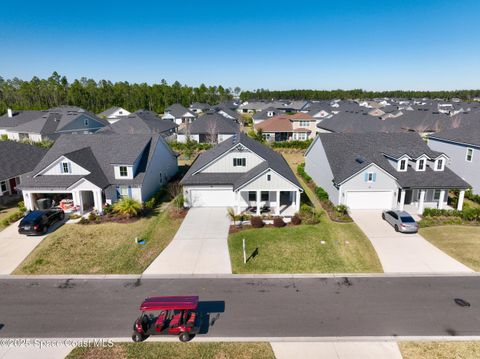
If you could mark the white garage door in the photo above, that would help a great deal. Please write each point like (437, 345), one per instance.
(369, 200)
(211, 198)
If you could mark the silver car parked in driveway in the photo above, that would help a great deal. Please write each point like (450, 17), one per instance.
(400, 220)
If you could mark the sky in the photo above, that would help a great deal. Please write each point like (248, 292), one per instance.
(278, 45)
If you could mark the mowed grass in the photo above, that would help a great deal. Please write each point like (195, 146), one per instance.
(190, 350)
(107, 248)
(460, 242)
(6, 212)
(299, 249)
(440, 350)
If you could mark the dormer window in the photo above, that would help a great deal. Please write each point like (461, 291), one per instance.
(421, 164)
(439, 164)
(269, 177)
(85, 122)
(270, 114)
(123, 171)
(65, 167)
(402, 165)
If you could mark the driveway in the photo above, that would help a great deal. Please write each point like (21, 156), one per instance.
(404, 253)
(199, 247)
(15, 247)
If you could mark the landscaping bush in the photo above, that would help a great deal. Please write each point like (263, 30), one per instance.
(278, 222)
(296, 220)
(92, 216)
(321, 193)
(12, 218)
(256, 222)
(309, 215)
(107, 209)
(300, 145)
(342, 209)
(83, 220)
(127, 206)
(150, 204)
(302, 173)
(21, 207)
(472, 197)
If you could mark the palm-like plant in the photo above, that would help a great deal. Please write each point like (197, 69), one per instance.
(127, 206)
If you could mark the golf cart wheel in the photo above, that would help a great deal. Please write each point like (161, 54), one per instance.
(138, 337)
(383, 216)
(184, 337)
(396, 228)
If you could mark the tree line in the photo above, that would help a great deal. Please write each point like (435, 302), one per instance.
(97, 96)
(264, 94)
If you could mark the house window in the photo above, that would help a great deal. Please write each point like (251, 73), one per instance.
(123, 191)
(123, 171)
(303, 123)
(85, 122)
(269, 177)
(65, 167)
(3, 186)
(239, 162)
(370, 177)
(436, 195)
(403, 165)
(469, 154)
(252, 196)
(302, 136)
(439, 165)
(421, 165)
(264, 197)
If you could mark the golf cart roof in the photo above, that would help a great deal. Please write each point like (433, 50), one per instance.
(169, 303)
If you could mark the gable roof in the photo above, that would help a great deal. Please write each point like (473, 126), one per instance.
(141, 122)
(18, 158)
(209, 122)
(469, 135)
(349, 153)
(283, 123)
(177, 110)
(19, 118)
(272, 160)
(110, 111)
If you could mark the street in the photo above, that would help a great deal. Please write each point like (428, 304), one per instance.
(246, 307)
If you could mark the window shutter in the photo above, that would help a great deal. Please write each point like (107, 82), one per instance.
(69, 167)
(374, 177)
(61, 167)
(366, 177)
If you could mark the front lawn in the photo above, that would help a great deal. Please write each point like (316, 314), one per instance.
(440, 350)
(5, 212)
(460, 242)
(106, 248)
(299, 249)
(220, 350)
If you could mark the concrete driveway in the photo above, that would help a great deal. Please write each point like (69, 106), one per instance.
(404, 253)
(15, 247)
(199, 247)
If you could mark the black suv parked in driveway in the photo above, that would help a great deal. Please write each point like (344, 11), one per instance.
(37, 222)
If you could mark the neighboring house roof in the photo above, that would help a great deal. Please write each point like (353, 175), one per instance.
(18, 158)
(141, 122)
(272, 160)
(97, 153)
(230, 113)
(282, 123)
(263, 115)
(231, 105)
(200, 106)
(109, 112)
(211, 123)
(19, 118)
(350, 153)
(469, 135)
(177, 110)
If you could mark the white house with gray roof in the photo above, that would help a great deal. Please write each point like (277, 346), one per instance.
(243, 174)
(382, 171)
(114, 114)
(179, 114)
(100, 168)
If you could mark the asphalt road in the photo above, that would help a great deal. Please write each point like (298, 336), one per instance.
(313, 307)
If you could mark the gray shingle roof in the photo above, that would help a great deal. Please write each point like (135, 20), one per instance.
(19, 118)
(343, 150)
(177, 110)
(209, 122)
(469, 135)
(141, 122)
(18, 158)
(109, 111)
(273, 160)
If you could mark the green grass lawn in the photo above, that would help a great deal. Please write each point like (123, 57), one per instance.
(460, 242)
(190, 350)
(440, 350)
(107, 248)
(6, 211)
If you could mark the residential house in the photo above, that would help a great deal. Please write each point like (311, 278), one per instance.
(209, 128)
(49, 124)
(16, 159)
(89, 171)
(230, 114)
(243, 174)
(382, 171)
(113, 114)
(198, 107)
(297, 127)
(179, 114)
(462, 146)
(143, 122)
(265, 114)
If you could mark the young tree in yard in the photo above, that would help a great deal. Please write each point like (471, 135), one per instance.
(127, 206)
(212, 132)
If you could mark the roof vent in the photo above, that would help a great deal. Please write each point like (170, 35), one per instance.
(9, 113)
(359, 159)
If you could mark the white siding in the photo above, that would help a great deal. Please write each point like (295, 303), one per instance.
(54, 168)
(224, 164)
(276, 182)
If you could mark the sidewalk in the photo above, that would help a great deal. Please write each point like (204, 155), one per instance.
(34, 352)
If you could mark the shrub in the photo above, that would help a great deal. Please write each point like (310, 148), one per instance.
(300, 145)
(302, 173)
(256, 222)
(107, 209)
(296, 220)
(127, 206)
(83, 220)
(278, 222)
(21, 207)
(342, 209)
(472, 197)
(309, 215)
(150, 204)
(231, 214)
(4, 137)
(92, 216)
(321, 193)
(12, 218)
(178, 201)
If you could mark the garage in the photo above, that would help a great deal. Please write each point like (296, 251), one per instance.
(211, 197)
(369, 199)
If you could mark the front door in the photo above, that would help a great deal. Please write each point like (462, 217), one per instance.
(13, 186)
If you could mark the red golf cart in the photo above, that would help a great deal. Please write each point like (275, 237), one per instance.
(168, 316)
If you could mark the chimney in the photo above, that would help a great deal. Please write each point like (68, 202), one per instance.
(9, 113)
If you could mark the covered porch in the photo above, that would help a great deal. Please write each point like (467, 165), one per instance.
(415, 200)
(277, 203)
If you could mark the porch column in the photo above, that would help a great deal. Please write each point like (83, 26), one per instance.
(28, 200)
(402, 199)
(460, 200)
(97, 198)
(421, 201)
(238, 195)
(77, 200)
(277, 210)
(258, 202)
(442, 197)
(297, 201)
